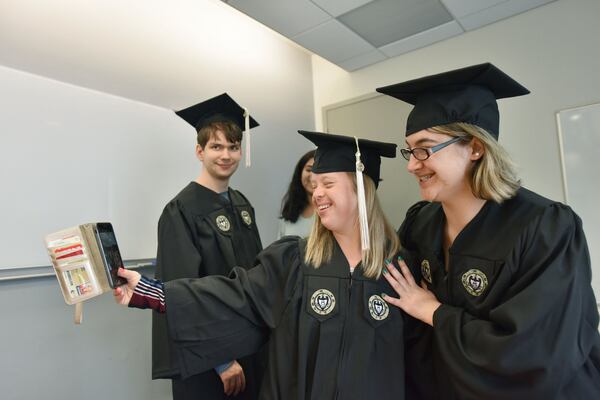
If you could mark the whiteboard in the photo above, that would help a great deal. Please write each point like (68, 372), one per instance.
(579, 137)
(70, 155)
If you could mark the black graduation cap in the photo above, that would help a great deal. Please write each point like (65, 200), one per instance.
(219, 108)
(463, 95)
(337, 153)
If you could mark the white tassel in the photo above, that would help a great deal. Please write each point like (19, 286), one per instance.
(362, 203)
(247, 134)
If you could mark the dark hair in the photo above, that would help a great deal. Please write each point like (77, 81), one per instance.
(295, 199)
(230, 129)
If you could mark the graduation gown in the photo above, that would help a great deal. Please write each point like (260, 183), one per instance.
(330, 335)
(518, 318)
(200, 233)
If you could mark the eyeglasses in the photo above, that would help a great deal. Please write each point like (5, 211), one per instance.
(422, 154)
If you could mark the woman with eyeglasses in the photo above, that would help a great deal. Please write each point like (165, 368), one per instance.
(503, 305)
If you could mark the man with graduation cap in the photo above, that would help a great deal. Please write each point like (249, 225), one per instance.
(317, 301)
(506, 310)
(208, 229)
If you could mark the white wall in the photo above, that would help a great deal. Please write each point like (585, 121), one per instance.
(171, 55)
(43, 354)
(552, 50)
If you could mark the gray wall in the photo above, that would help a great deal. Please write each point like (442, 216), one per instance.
(44, 355)
(380, 118)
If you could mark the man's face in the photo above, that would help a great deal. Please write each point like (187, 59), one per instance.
(219, 156)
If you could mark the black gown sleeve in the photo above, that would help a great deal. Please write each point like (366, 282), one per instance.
(542, 333)
(215, 319)
(404, 230)
(176, 247)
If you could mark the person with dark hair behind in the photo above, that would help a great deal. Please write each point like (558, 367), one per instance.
(297, 212)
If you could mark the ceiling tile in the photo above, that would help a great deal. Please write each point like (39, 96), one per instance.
(498, 12)
(385, 21)
(339, 7)
(422, 39)
(460, 8)
(362, 60)
(333, 41)
(288, 17)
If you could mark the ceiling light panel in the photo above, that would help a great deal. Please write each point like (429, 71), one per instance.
(382, 22)
(333, 41)
(339, 7)
(460, 8)
(288, 17)
(423, 39)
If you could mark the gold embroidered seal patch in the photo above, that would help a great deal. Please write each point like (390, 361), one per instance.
(426, 270)
(378, 308)
(246, 217)
(223, 223)
(322, 301)
(474, 282)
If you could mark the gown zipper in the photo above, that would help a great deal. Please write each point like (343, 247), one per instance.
(343, 344)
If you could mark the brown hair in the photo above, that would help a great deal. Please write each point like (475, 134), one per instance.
(230, 129)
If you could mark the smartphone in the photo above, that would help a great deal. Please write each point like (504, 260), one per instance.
(105, 236)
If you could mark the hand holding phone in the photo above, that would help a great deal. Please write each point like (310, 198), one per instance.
(107, 242)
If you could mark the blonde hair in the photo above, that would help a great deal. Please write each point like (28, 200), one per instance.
(493, 176)
(384, 241)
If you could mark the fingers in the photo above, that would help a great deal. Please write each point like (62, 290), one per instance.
(404, 275)
(239, 381)
(236, 388)
(393, 282)
(234, 380)
(118, 294)
(128, 274)
(394, 271)
(227, 386)
(395, 278)
(243, 380)
(132, 277)
(391, 300)
(406, 272)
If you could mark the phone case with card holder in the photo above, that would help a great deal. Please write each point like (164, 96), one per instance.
(79, 264)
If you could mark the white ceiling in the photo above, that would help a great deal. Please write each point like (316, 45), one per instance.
(357, 33)
(156, 51)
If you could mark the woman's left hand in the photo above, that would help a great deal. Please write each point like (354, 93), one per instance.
(415, 300)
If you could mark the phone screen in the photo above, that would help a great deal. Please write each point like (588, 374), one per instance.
(110, 252)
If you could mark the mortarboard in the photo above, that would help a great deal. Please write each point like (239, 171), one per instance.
(217, 109)
(462, 95)
(338, 153)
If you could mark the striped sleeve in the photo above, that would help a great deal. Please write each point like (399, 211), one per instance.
(149, 293)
